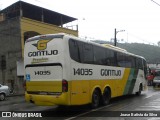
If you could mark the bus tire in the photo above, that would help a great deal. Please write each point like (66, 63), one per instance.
(95, 99)
(140, 90)
(106, 96)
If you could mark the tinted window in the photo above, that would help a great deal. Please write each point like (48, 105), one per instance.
(99, 55)
(87, 54)
(139, 63)
(110, 57)
(130, 61)
(124, 60)
(73, 48)
(121, 61)
(80, 50)
(133, 61)
(145, 67)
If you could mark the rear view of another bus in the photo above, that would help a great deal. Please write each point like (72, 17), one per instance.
(43, 62)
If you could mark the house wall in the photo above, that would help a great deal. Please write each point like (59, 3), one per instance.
(10, 47)
(41, 28)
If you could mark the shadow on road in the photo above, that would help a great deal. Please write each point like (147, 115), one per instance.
(70, 111)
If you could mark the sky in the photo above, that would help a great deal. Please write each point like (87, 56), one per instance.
(98, 19)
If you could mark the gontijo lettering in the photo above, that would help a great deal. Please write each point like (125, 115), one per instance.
(42, 53)
(109, 72)
(41, 46)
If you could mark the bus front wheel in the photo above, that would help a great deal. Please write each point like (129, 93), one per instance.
(140, 90)
(95, 98)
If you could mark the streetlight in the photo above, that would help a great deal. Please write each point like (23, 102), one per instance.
(115, 33)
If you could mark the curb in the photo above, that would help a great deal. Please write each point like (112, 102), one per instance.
(14, 95)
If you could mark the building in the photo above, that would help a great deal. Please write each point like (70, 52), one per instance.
(18, 22)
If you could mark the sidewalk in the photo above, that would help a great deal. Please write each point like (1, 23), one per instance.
(12, 94)
(17, 93)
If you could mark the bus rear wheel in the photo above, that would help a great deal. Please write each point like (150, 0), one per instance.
(95, 99)
(106, 96)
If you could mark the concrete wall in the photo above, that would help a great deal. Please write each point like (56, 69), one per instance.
(10, 47)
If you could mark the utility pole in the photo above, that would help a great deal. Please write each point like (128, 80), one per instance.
(115, 39)
(115, 36)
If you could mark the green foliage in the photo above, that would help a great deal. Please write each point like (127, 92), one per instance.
(150, 52)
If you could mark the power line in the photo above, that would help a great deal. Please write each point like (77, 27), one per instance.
(155, 2)
(140, 38)
(56, 30)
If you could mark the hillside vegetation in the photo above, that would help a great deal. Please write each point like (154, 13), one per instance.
(150, 52)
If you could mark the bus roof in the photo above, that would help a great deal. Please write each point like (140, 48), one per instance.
(61, 35)
(46, 36)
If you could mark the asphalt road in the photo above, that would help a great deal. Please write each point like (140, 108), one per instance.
(131, 107)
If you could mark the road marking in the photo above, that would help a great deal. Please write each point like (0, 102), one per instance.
(153, 118)
(88, 112)
(157, 100)
(15, 104)
(151, 95)
(151, 106)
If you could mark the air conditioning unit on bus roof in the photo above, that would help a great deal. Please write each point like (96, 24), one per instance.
(114, 47)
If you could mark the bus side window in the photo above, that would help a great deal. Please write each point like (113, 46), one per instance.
(110, 58)
(87, 54)
(73, 48)
(139, 64)
(145, 67)
(99, 55)
(121, 61)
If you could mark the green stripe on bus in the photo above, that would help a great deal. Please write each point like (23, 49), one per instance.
(133, 81)
(129, 81)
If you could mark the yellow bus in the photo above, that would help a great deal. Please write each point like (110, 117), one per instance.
(62, 69)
